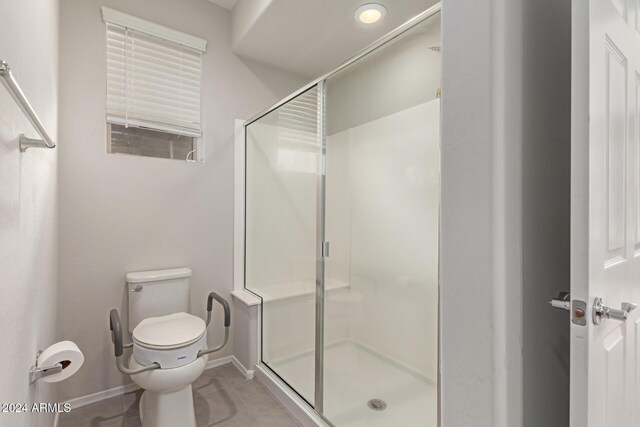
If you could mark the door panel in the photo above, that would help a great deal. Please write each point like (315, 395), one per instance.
(605, 216)
(616, 128)
(613, 357)
(621, 7)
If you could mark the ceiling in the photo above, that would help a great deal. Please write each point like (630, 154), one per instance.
(227, 4)
(309, 37)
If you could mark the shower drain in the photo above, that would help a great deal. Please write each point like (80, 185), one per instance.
(377, 404)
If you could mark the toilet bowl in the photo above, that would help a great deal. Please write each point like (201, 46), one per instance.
(167, 399)
(172, 341)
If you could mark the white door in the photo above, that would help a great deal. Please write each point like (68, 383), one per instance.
(605, 212)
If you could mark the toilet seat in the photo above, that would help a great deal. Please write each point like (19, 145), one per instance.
(171, 341)
(170, 331)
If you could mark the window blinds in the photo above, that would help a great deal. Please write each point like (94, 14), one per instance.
(152, 82)
(298, 119)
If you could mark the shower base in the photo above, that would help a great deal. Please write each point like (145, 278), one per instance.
(354, 376)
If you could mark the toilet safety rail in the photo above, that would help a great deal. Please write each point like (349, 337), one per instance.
(116, 335)
(227, 321)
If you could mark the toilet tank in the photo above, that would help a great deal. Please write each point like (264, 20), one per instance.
(157, 293)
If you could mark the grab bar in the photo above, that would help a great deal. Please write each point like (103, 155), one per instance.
(227, 321)
(21, 99)
(118, 347)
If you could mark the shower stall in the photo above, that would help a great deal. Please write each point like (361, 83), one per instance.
(342, 190)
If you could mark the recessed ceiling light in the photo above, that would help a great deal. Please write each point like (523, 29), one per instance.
(370, 13)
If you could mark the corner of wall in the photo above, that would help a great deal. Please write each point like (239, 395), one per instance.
(481, 361)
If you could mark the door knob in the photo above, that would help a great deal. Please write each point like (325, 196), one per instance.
(602, 311)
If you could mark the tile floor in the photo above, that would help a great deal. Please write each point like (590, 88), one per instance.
(222, 397)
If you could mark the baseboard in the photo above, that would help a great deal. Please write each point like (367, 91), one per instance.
(128, 388)
(248, 373)
(102, 395)
(218, 362)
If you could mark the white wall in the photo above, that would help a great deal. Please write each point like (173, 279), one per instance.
(28, 205)
(388, 81)
(393, 183)
(124, 213)
(505, 219)
(505, 200)
(481, 264)
(244, 16)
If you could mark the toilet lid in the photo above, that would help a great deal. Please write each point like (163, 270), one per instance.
(173, 330)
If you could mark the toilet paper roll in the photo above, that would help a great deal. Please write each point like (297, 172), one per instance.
(66, 353)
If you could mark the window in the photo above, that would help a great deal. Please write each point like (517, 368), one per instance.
(150, 143)
(153, 89)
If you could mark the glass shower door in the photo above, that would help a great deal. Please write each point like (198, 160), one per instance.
(382, 222)
(282, 161)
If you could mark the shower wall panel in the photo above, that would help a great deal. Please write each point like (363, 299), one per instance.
(382, 222)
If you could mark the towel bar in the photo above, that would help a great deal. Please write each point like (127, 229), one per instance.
(21, 99)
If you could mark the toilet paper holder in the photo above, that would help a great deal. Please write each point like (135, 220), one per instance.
(36, 372)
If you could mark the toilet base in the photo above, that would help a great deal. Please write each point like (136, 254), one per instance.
(168, 409)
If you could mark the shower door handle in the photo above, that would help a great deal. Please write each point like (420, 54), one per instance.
(324, 249)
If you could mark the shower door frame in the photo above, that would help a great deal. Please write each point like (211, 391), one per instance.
(321, 245)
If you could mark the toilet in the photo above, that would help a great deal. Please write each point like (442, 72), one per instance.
(165, 333)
